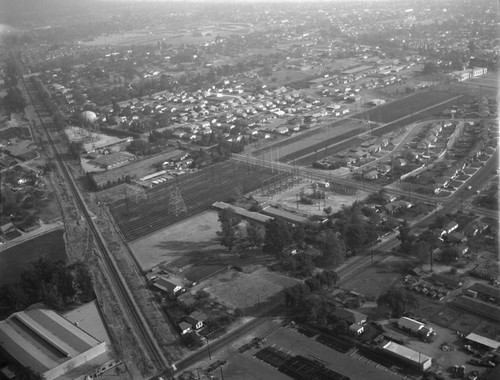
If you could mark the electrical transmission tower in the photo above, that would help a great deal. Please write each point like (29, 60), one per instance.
(137, 193)
(176, 203)
(133, 193)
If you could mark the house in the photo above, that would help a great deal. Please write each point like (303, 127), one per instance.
(7, 227)
(471, 229)
(383, 168)
(354, 319)
(395, 206)
(170, 285)
(185, 328)
(450, 227)
(462, 248)
(371, 175)
(456, 237)
(388, 198)
(414, 326)
(400, 162)
(196, 319)
(350, 316)
(452, 282)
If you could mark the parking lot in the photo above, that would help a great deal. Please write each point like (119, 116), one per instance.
(351, 364)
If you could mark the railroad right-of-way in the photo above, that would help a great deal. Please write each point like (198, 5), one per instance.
(121, 290)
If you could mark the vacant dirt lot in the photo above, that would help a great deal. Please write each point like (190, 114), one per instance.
(181, 243)
(377, 278)
(242, 290)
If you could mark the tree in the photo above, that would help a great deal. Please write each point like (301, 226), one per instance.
(430, 239)
(450, 255)
(229, 221)
(404, 236)
(313, 283)
(255, 234)
(355, 236)
(327, 278)
(420, 250)
(398, 300)
(14, 100)
(295, 295)
(277, 237)
(298, 235)
(139, 147)
(26, 373)
(334, 250)
(430, 68)
(75, 149)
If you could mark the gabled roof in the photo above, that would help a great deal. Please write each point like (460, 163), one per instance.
(196, 316)
(348, 315)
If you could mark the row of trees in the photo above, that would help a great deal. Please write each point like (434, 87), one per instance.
(54, 284)
(14, 100)
(399, 300)
(308, 300)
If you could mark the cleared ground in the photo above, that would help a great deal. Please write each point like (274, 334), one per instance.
(181, 243)
(244, 290)
(378, 277)
(407, 106)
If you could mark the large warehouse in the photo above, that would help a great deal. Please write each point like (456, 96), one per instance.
(414, 358)
(51, 345)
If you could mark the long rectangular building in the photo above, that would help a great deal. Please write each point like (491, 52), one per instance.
(414, 358)
(48, 343)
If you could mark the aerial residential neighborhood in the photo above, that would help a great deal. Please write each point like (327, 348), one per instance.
(249, 190)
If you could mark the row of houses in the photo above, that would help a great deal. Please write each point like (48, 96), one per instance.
(468, 74)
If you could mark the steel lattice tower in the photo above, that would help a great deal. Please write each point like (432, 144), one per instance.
(176, 202)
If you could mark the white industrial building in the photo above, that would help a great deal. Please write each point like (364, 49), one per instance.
(414, 358)
(415, 327)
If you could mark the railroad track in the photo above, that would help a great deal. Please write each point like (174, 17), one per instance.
(119, 284)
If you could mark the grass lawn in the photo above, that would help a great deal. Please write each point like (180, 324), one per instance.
(15, 260)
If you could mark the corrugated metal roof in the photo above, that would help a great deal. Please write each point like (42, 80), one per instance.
(42, 339)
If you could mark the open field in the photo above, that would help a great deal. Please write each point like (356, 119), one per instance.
(378, 277)
(292, 148)
(15, 260)
(190, 240)
(406, 106)
(244, 290)
(199, 191)
(326, 128)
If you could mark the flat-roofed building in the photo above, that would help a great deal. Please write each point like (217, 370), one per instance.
(482, 341)
(413, 358)
(49, 344)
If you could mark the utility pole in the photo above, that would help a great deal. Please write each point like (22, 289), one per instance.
(208, 348)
